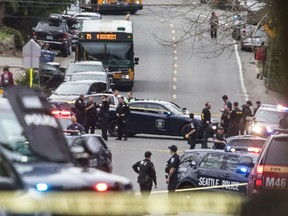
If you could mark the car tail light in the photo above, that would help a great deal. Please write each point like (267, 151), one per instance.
(62, 113)
(101, 187)
(254, 150)
(259, 175)
(65, 36)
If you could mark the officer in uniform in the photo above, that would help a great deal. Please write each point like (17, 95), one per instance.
(91, 113)
(75, 125)
(104, 116)
(122, 112)
(192, 135)
(146, 174)
(80, 109)
(219, 139)
(206, 120)
(171, 178)
(235, 118)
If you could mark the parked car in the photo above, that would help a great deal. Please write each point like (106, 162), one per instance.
(156, 117)
(245, 143)
(33, 140)
(251, 38)
(72, 89)
(215, 168)
(55, 32)
(83, 66)
(90, 150)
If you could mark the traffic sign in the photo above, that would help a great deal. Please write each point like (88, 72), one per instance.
(31, 53)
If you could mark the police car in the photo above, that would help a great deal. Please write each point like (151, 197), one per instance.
(215, 169)
(245, 143)
(266, 119)
(90, 150)
(156, 117)
(271, 169)
(31, 137)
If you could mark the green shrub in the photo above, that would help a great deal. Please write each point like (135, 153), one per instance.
(18, 37)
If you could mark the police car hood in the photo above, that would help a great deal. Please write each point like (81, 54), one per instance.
(60, 176)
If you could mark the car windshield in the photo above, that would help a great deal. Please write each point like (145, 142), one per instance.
(174, 109)
(269, 116)
(247, 143)
(95, 76)
(278, 150)
(83, 67)
(12, 138)
(72, 88)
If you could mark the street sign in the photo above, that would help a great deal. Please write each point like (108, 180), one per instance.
(31, 53)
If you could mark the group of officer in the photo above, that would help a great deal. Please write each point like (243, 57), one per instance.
(233, 122)
(147, 175)
(87, 115)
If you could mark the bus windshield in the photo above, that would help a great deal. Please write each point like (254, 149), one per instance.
(111, 54)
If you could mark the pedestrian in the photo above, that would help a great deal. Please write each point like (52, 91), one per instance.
(91, 115)
(258, 104)
(130, 97)
(192, 135)
(171, 178)
(6, 80)
(246, 112)
(213, 25)
(219, 139)
(104, 116)
(226, 103)
(115, 97)
(75, 126)
(122, 113)
(80, 108)
(206, 120)
(235, 118)
(260, 58)
(146, 174)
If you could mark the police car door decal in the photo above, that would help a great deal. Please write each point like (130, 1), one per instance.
(160, 124)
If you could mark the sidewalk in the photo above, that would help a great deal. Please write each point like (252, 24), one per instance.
(256, 87)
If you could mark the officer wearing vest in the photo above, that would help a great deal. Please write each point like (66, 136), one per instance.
(146, 174)
(235, 118)
(206, 120)
(91, 112)
(122, 113)
(192, 135)
(219, 139)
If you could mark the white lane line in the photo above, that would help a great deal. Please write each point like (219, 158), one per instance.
(241, 76)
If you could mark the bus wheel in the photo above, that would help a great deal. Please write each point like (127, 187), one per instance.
(113, 128)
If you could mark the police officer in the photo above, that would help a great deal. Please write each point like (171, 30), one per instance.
(171, 178)
(80, 109)
(246, 112)
(146, 174)
(219, 139)
(122, 112)
(206, 120)
(225, 120)
(91, 115)
(258, 104)
(235, 118)
(192, 135)
(104, 116)
(75, 125)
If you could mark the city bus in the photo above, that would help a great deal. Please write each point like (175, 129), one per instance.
(109, 41)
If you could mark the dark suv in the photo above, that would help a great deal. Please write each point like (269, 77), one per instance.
(55, 32)
(271, 169)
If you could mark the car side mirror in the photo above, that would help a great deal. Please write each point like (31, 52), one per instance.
(167, 113)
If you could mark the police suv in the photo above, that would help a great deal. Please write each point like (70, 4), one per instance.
(156, 117)
(266, 119)
(271, 169)
(32, 138)
(215, 170)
